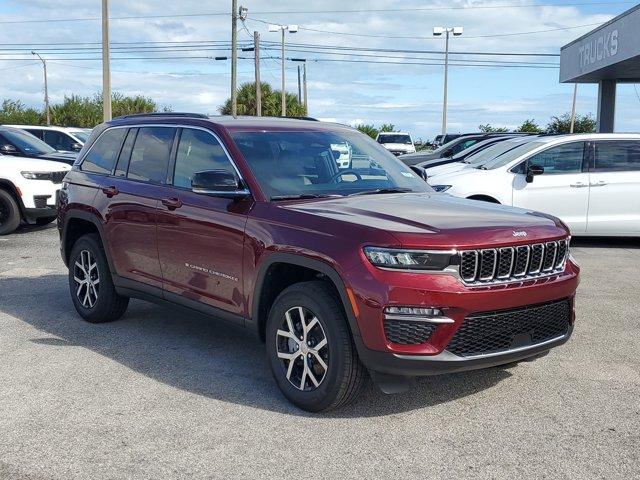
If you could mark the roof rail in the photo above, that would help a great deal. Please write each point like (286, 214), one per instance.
(311, 119)
(164, 114)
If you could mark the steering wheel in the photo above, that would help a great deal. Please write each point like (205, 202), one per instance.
(345, 172)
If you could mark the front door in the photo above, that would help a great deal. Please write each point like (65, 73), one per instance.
(614, 203)
(200, 237)
(562, 190)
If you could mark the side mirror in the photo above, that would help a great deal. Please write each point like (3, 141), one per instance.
(218, 183)
(420, 171)
(448, 153)
(8, 149)
(76, 147)
(532, 171)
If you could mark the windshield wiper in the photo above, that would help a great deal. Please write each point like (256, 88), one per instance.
(302, 196)
(381, 190)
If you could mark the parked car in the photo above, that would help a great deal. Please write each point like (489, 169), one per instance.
(590, 181)
(452, 148)
(251, 221)
(475, 157)
(63, 139)
(28, 191)
(17, 142)
(398, 143)
(440, 140)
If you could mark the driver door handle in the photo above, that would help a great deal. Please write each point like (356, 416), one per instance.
(171, 203)
(579, 185)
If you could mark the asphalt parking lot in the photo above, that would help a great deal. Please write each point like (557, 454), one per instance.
(161, 394)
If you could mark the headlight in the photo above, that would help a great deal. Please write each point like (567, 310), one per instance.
(37, 175)
(441, 188)
(409, 259)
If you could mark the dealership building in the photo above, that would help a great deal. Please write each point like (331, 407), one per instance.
(608, 55)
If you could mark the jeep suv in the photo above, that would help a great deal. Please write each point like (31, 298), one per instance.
(340, 271)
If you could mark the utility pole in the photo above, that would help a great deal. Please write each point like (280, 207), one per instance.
(106, 70)
(304, 88)
(234, 56)
(282, 29)
(573, 107)
(299, 86)
(437, 31)
(46, 88)
(256, 50)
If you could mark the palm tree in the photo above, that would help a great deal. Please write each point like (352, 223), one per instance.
(246, 102)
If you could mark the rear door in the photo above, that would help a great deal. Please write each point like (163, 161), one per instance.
(614, 203)
(200, 237)
(562, 190)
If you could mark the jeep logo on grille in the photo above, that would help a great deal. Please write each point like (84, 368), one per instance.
(520, 233)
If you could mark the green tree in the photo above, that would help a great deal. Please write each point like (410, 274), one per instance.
(387, 127)
(367, 129)
(562, 124)
(529, 126)
(15, 112)
(271, 107)
(487, 128)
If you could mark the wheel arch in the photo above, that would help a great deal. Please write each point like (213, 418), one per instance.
(76, 224)
(264, 294)
(8, 186)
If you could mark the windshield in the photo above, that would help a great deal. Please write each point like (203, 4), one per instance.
(494, 151)
(512, 154)
(26, 143)
(473, 148)
(294, 164)
(394, 138)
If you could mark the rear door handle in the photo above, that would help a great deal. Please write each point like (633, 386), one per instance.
(171, 203)
(110, 191)
(579, 185)
(601, 183)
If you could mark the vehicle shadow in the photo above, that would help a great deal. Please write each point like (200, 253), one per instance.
(196, 354)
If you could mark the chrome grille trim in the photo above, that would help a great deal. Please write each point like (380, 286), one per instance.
(526, 262)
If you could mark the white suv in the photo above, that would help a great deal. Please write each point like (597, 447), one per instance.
(398, 143)
(63, 139)
(590, 181)
(28, 191)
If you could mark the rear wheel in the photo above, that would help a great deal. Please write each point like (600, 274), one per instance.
(310, 349)
(90, 284)
(9, 213)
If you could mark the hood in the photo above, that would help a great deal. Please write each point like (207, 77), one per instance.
(33, 164)
(437, 171)
(437, 220)
(66, 157)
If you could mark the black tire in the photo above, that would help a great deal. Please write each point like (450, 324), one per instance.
(9, 213)
(344, 376)
(45, 220)
(108, 305)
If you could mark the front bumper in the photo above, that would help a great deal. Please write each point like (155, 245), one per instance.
(35, 213)
(447, 362)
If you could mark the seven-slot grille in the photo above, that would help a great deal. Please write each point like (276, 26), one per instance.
(507, 264)
(492, 332)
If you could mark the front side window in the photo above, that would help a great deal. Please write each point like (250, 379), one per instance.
(104, 152)
(617, 156)
(59, 140)
(464, 145)
(565, 158)
(151, 153)
(197, 151)
(304, 163)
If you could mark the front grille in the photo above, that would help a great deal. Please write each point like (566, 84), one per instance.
(57, 177)
(507, 264)
(405, 332)
(493, 332)
(40, 201)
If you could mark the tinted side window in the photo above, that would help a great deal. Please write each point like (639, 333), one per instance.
(35, 132)
(561, 159)
(464, 145)
(150, 154)
(198, 150)
(104, 152)
(617, 156)
(125, 154)
(58, 140)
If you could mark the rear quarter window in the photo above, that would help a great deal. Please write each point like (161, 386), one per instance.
(104, 152)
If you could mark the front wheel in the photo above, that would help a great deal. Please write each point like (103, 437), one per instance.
(90, 284)
(9, 213)
(310, 349)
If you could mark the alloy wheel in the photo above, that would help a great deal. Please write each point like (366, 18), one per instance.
(87, 279)
(302, 348)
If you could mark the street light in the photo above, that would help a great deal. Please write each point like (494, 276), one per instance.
(437, 32)
(46, 87)
(283, 28)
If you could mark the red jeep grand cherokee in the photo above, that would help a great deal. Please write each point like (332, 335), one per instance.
(251, 221)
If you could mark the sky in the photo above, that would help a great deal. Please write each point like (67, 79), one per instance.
(399, 92)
